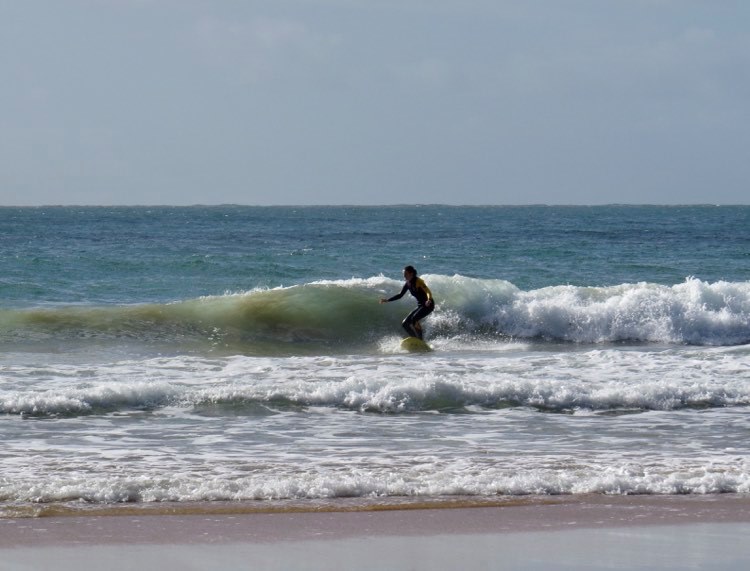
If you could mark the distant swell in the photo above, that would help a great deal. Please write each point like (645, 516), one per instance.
(337, 315)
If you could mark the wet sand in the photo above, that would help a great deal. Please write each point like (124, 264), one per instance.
(591, 532)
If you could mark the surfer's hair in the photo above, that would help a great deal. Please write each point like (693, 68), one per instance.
(411, 269)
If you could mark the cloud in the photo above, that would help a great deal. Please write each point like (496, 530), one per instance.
(411, 98)
(428, 72)
(259, 48)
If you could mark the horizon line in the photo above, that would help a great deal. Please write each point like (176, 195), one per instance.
(393, 205)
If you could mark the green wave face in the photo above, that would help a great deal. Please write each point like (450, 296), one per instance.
(345, 316)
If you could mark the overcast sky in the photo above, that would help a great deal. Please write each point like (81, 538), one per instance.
(374, 101)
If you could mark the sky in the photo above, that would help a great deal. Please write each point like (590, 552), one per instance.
(374, 102)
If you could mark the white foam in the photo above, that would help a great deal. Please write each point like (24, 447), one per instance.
(236, 428)
(598, 380)
(429, 478)
(693, 312)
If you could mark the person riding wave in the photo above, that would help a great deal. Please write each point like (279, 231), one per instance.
(425, 304)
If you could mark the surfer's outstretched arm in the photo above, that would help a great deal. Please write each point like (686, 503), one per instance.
(397, 296)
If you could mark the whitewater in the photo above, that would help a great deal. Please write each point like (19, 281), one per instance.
(213, 354)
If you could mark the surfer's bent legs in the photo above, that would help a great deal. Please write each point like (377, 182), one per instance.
(411, 323)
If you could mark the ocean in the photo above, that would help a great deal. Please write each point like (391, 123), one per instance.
(239, 354)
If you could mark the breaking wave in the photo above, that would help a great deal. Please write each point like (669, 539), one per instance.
(344, 315)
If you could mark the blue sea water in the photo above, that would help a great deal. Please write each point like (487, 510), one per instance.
(240, 353)
(140, 255)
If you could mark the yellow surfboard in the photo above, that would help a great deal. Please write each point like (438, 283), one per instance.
(414, 345)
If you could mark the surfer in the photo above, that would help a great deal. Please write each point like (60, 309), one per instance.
(425, 303)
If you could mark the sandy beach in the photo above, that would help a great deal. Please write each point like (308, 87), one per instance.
(591, 532)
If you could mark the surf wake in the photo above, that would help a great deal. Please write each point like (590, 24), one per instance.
(344, 315)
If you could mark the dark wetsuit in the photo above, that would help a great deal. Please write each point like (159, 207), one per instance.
(419, 290)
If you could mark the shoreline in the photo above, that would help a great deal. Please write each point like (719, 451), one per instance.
(246, 522)
(637, 533)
